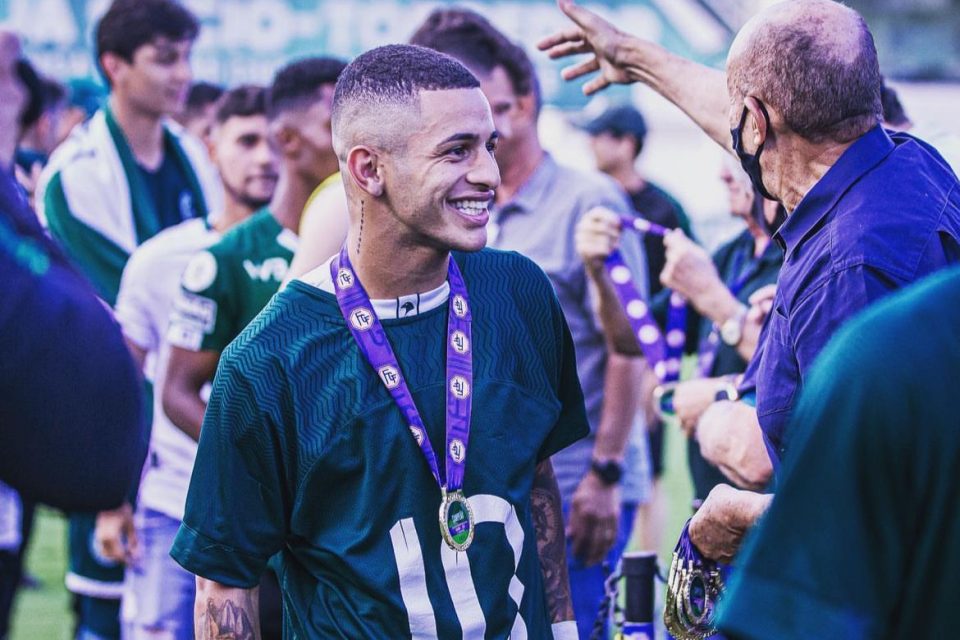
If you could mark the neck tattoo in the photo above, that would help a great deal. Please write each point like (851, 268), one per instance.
(360, 233)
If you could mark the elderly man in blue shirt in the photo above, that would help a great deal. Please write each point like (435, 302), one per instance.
(870, 211)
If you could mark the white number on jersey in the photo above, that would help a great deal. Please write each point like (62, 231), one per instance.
(456, 569)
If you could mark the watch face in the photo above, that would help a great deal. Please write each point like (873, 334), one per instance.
(609, 472)
(730, 332)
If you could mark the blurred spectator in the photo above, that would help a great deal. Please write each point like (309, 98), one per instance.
(616, 139)
(40, 139)
(199, 113)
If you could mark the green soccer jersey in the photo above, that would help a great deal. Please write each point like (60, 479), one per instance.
(304, 452)
(861, 539)
(223, 288)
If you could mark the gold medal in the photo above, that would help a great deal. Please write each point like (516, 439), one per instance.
(456, 520)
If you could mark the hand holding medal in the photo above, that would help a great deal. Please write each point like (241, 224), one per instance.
(457, 521)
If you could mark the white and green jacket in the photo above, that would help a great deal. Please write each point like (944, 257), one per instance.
(92, 199)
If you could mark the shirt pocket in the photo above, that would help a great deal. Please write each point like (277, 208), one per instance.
(779, 375)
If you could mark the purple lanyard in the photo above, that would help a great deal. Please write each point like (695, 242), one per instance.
(662, 353)
(367, 330)
(711, 344)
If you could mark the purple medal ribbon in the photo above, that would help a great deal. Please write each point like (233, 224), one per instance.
(694, 586)
(455, 513)
(662, 352)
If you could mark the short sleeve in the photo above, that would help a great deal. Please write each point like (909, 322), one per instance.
(133, 308)
(235, 517)
(572, 424)
(202, 318)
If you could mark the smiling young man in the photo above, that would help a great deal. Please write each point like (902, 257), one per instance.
(336, 442)
(118, 180)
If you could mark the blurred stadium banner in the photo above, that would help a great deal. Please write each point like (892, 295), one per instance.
(247, 40)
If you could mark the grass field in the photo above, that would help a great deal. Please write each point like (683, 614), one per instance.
(44, 614)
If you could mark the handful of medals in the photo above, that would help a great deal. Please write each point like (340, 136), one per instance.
(693, 587)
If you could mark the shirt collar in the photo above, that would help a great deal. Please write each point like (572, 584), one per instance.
(387, 308)
(532, 193)
(862, 156)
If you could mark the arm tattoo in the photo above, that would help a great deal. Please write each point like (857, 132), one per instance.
(232, 616)
(551, 543)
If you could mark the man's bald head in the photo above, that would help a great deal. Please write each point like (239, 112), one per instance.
(815, 63)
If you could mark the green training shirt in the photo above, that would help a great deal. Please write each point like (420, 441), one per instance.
(304, 452)
(223, 288)
(861, 539)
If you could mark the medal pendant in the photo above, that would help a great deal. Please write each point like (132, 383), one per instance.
(456, 520)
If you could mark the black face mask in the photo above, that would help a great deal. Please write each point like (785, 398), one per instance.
(751, 162)
(759, 216)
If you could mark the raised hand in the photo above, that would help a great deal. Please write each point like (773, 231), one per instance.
(592, 34)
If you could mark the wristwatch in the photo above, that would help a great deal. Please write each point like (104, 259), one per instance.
(609, 471)
(727, 392)
(731, 331)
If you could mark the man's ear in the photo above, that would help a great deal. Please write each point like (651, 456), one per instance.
(366, 169)
(288, 140)
(112, 66)
(760, 130)
(527, 105)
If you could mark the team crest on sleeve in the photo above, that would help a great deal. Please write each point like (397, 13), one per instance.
(200, 273)
(460, 306)
(361, 318)
(460, 342)
(459, 387)
(457, 450)
(389, 375)
(345, 278)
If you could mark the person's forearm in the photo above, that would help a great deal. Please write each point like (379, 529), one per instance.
(551, 545)
(697, 90)
(623, 379)
(184, 407)
(225, 612)
(613, 319)
(718, 304)
(736, 447)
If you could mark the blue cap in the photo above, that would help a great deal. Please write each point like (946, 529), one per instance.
(619, 120)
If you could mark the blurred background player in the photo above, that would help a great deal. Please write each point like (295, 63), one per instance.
(158, 595)
(200, 110)
(224, 287)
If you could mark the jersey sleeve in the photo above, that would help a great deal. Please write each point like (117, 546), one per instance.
(204, 311)
(235, 517)
(133, 305)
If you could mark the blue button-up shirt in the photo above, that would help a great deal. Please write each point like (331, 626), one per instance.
(887, 213)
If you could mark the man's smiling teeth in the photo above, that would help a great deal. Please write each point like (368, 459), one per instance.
(471, 207)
